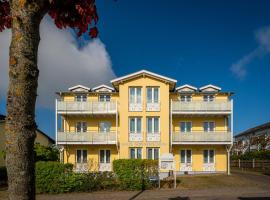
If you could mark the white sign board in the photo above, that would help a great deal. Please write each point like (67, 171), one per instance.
(166, 162)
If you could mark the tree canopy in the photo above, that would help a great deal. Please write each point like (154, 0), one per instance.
(78, 14)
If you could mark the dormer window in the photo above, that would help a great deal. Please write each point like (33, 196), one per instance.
(104, 97)
(185, 98)
(208, 98)
(81, 97)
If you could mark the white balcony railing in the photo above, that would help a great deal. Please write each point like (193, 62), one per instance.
(201, 137)
(153, 106)
(198, 107)
(135, 137)
(86, 137)
(133, 107)
(153, 137)
(87, 107)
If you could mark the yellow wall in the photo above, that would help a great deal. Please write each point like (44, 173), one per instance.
(197, 156)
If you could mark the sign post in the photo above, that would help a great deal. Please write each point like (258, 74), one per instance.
(166, 163)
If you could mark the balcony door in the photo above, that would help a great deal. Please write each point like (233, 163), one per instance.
(209, 126)
(135, 99)
(81, 97)
(186, 160)
(135, 129)
(81, 127)
(81, 160)
(185, 127)
(105, 160)
(105, 127)
(208, 160)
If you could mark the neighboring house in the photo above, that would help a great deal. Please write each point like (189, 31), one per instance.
(41, 138)
(143, 115)
(253, 139)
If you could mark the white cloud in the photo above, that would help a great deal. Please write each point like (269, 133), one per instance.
(61, 63)
(262, 36)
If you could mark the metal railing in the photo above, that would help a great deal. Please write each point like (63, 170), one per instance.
(135, 137)
(205, 137)
(65, 137)
(153, 106)
(201, 106)
(92, 107)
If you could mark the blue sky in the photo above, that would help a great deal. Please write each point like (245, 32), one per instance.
(195, 42)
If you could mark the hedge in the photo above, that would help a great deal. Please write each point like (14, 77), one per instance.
(55, 177)
(133, 174)
(259, 155)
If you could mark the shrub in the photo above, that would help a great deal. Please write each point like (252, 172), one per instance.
(54, 177)
(134, 174)
(44, 153)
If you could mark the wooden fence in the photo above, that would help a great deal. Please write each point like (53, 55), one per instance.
(257, 165)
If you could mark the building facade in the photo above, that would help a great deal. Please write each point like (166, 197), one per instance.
(144, 115)
(253, 139)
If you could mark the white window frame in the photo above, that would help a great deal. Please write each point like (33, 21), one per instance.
(208, 97)
(81, 150)
(105, 156)
(185, 98)
(81, 97)
(208, 130)
(135, 124)
(185, 126)
(105, 122)
(136, 152)
(152, 94)
(153, 124)
(104, 95)
(208, 156)
(153, 153)
(185, 150)
(135, 95)
(82, 127)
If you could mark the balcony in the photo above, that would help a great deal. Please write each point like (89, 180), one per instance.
(202, 107)
(153, 137)
(86, 137)
(135, 107)
(153, 107)
(87, 107)
(135, 137)
(219, 137)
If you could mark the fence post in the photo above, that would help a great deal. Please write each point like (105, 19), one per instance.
(239, 165)
(253, 163)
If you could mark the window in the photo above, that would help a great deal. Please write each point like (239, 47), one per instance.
(81, 97)
(185, 98)
(104, 97)
(208, 126)
(81, 156)
(185, 126)
(152, 124)
(152, 94)
(135, 124)
(208, 156)
(208, 98)
(135, 153)
(186, 156)
(104, 156)
(105, 127)
(135, 95)
(152, 153)
(81, 127)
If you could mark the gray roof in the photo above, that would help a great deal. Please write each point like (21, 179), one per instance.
(254, 129)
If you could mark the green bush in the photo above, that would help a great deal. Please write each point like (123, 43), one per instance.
(133, 174)
(54, 177)
(44, 153)
(258, 155)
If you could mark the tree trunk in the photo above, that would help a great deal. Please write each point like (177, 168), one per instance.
(21, 98)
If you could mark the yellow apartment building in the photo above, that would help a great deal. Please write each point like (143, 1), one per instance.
(144, 115)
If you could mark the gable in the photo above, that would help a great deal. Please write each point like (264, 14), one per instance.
(79, 88)
(102, 88)
(186, 89)
(210, 88)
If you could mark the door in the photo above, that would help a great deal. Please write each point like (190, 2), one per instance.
(185, 160)
(105, 160)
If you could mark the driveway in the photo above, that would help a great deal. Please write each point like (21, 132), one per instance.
(240, 186)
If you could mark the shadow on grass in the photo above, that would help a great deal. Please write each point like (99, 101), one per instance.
(254, 198)
(179, 198)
